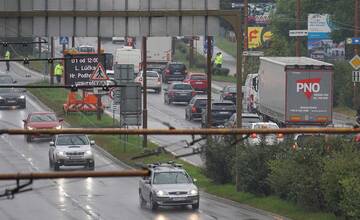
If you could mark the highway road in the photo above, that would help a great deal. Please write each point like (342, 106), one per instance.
(88, 198)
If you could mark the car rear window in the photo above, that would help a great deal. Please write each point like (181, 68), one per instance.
(265, 126)
(249, 120)
(227, 106)
(232, 89)
(43, 118)
(152, 74)
(198, 77)
(201, 102)
(182, 87)
(177, 66)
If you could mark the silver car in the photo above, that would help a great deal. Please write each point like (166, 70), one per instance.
(71, 150)
(168, 185)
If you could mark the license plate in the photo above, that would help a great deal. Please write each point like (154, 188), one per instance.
(179, 199)
(177, 73)
(75, 157)
(10, 101)
(199, 83)
(224, 113)
(182, 94)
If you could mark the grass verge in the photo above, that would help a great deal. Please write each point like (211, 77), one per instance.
(219, 78)
(124, 150)
(225, 45)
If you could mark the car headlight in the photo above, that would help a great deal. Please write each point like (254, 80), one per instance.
(160, 193)
(22, 97)
(88, 152)
(1, 97)
(58, 127)
(30, 128)
(60, 153)
(194, 192)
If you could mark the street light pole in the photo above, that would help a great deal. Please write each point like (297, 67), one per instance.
(144, 69)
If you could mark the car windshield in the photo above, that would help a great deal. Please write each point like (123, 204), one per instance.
(43, 118)
(72, 140)
(201, 102)
(198, 77)
(6, 80)
(182, 87)
(171, 178)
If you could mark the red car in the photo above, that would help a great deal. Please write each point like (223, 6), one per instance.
(197, 80)
(41, 120)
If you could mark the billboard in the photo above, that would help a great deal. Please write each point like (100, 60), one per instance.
(309, 96)
(259, 13)
(258, 37)
(319, 26)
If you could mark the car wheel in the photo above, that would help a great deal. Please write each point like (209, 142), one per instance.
(153, 205)
(91, 166)
(56, 166)
(28, 138)
(142, 200)
(195, 206)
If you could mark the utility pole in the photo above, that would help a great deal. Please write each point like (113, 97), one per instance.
(73, 41)
(239, 58)
(209, 72)
(98, 96)
(191, 55)
(246, 46)
(356, 51)
(52, 63)
(298, 11)
(144, 69)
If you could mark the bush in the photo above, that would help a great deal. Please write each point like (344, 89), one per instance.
(295, 176)
(340, 182)
(219, 160)
(221, 71)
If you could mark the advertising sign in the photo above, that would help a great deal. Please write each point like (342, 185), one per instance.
(79, 69)
(319, 23)
(258, 37)
(309, 96)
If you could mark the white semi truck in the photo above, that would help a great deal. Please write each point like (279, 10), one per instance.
(293, 91)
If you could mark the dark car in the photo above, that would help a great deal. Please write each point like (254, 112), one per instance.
(41, 120)
(247, 119)
(178, 92)
(221, 111)
(174, 71)
(195, 108)
(11, 97)
(228, 93)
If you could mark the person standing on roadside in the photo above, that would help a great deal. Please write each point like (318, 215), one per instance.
(7, 58)
(218, 60)
(58, 72)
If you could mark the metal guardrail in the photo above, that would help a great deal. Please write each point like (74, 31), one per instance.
(194, 131)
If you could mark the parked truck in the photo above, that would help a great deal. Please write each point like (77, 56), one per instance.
(295, 91)
(159, 52)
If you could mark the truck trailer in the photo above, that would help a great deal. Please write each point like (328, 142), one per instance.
(295, 91)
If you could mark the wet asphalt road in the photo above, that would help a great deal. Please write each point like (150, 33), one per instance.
(85, 198)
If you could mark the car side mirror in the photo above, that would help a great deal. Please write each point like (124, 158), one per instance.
(14, 81)
(92, 142)
(147, 181)
(194, 180)
(61, 119)
(24, 121)
(165, 89)
(52, 144)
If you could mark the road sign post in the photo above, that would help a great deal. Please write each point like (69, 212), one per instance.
(356, 76)
(63, 40)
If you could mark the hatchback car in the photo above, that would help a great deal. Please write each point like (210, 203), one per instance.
(168, 185)
(221, 111)
(196, 105)
(41, 120)
(269, 139)
(153, 80)
(198, 81)
(178, 92)
(174, 71)
(228, 93)
(11, 97)
(71, 150)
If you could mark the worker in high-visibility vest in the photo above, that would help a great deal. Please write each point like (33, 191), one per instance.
(7, 58)
(58, 72)
(218, 60)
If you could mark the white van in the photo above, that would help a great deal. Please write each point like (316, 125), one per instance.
(128, 55)
(251, 96)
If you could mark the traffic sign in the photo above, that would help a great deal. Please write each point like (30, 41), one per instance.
(64, 40)
(356, 76)
(298, 33)
(355, 40)
(99, 74)
(206, 45)
(253, 53)
(355, 62)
